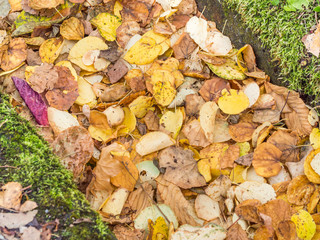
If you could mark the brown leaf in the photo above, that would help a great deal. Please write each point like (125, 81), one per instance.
(281, 187)
(172, 196)
(235, 232)
(179, 21)
(152, 121)
(117, 71)
(109, 93)
(135, 11)
(263, 233)
(31, 233)
(28, 206)
(72, 29)
(16, 220)
(106, 167)
(126, 232)
(44, 77)
(181, 167)
(242, 131)
(128, 175)
(187, 7)
(126, 31)
(193, 104)
(212, 59)
(249, 58)
(163, 28)
(266, 115)
(245, 160)
(312, 42)
(248, 210)
(211, 89)
(98, 120)
(65, 90)
(232, 154)
(14, 55)
(75, 147)
(265, 101)
(300, 190)
(10, 195)
(286, 230)
(266, 160)
(195, 134)
(33, 58)
(135, 80)
(111, 54)
(297, 119)
(41, 4)
(287, 143)
(140, 198)
(278, 210)
(184, 46)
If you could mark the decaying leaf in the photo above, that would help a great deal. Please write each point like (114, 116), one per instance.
(236, 232)
(10, 195)
(152, 121)
(172, 196)
(207, 116)
(171, 122)
(211, 89)
(248, 210)
(140, 198)
(206, 208)
(266, 160)
(41, 4)
(181, 167)
(309, 171)
(255, 190)
(14, 55)
(74, 146)
(286, 230)
(195, 134)
(300, 190)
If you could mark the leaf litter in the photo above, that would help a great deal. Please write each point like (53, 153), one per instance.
(187, 138)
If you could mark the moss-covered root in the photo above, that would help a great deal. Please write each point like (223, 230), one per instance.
(281, 33)
(52, 185)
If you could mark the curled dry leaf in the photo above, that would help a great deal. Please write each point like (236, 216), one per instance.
(65, 90)
(195, 134)
(300, 190)
(248, 210)
(266, 160)
(181, 167)
(297, 118)
(172, 196)
(72, 29)
(311, 174)
(242, 131)
(74, 146)
(287, 143)
(15, 54)
(10, 195)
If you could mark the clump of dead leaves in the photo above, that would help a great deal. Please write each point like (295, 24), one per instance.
(170, 131)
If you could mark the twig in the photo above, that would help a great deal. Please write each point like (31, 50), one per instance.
(7, 166)
(1, 124)
(285, 102)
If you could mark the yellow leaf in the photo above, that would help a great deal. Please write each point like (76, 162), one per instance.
(309, 171)
(233, 102)
(117, 8)
(15, 5)
(305, 225)
(244, 148)
(82, 47)
(204, 169)
(107, 25)
(28, 72)
(158, 230)
(172, 121)
(140, 106)
(100, 134)
(129, 122)
(163, 93)
(50, 49)
(162, 76)
(145, 51)
(315, 138)
(160, 39)
(238, 174)
(86, 94)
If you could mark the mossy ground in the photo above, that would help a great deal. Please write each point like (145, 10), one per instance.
(281, 32)
(52, 185)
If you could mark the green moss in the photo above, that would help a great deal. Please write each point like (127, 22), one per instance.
(52, 185)
(281, 32)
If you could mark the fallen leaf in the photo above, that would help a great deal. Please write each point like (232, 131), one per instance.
(31, 233)
(252, 91)
(115, 115)
(135, 11)
(107, 25)
(115, 203)
(74, 146)
(194, 133)
(152, 121)
(28, 206)
(50, 50)
(286, 230)
(193, 103)
(140, 198)
(207, 116)
(229, 70)
(206, 208)
(300, 190)
(117, 71)
(311, 42)
(33, 100)
(60, 120)
(108, 93)
(248, 210)
(263, 233)
(98, 120)
(287, 142)
(242, 131)
(171, 122)
(314, 200)
(233, 102)
(72, 29)
(14, 55)
(235, 232)
(163, 93)
(184, 46)
(141, 105)
(16, 220)
(86, 93)
(158, 230)
(255, 190)
(41, 4)
(266, 160)
(123, 232)
(126, 31)
(311, 174)
(197, 30)
(135, 80)
(172, 196)
(211, 89)
(305, 225)
(231, 154)
(297, 118)
(181, 167)
(10, 195)
(218, 188)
